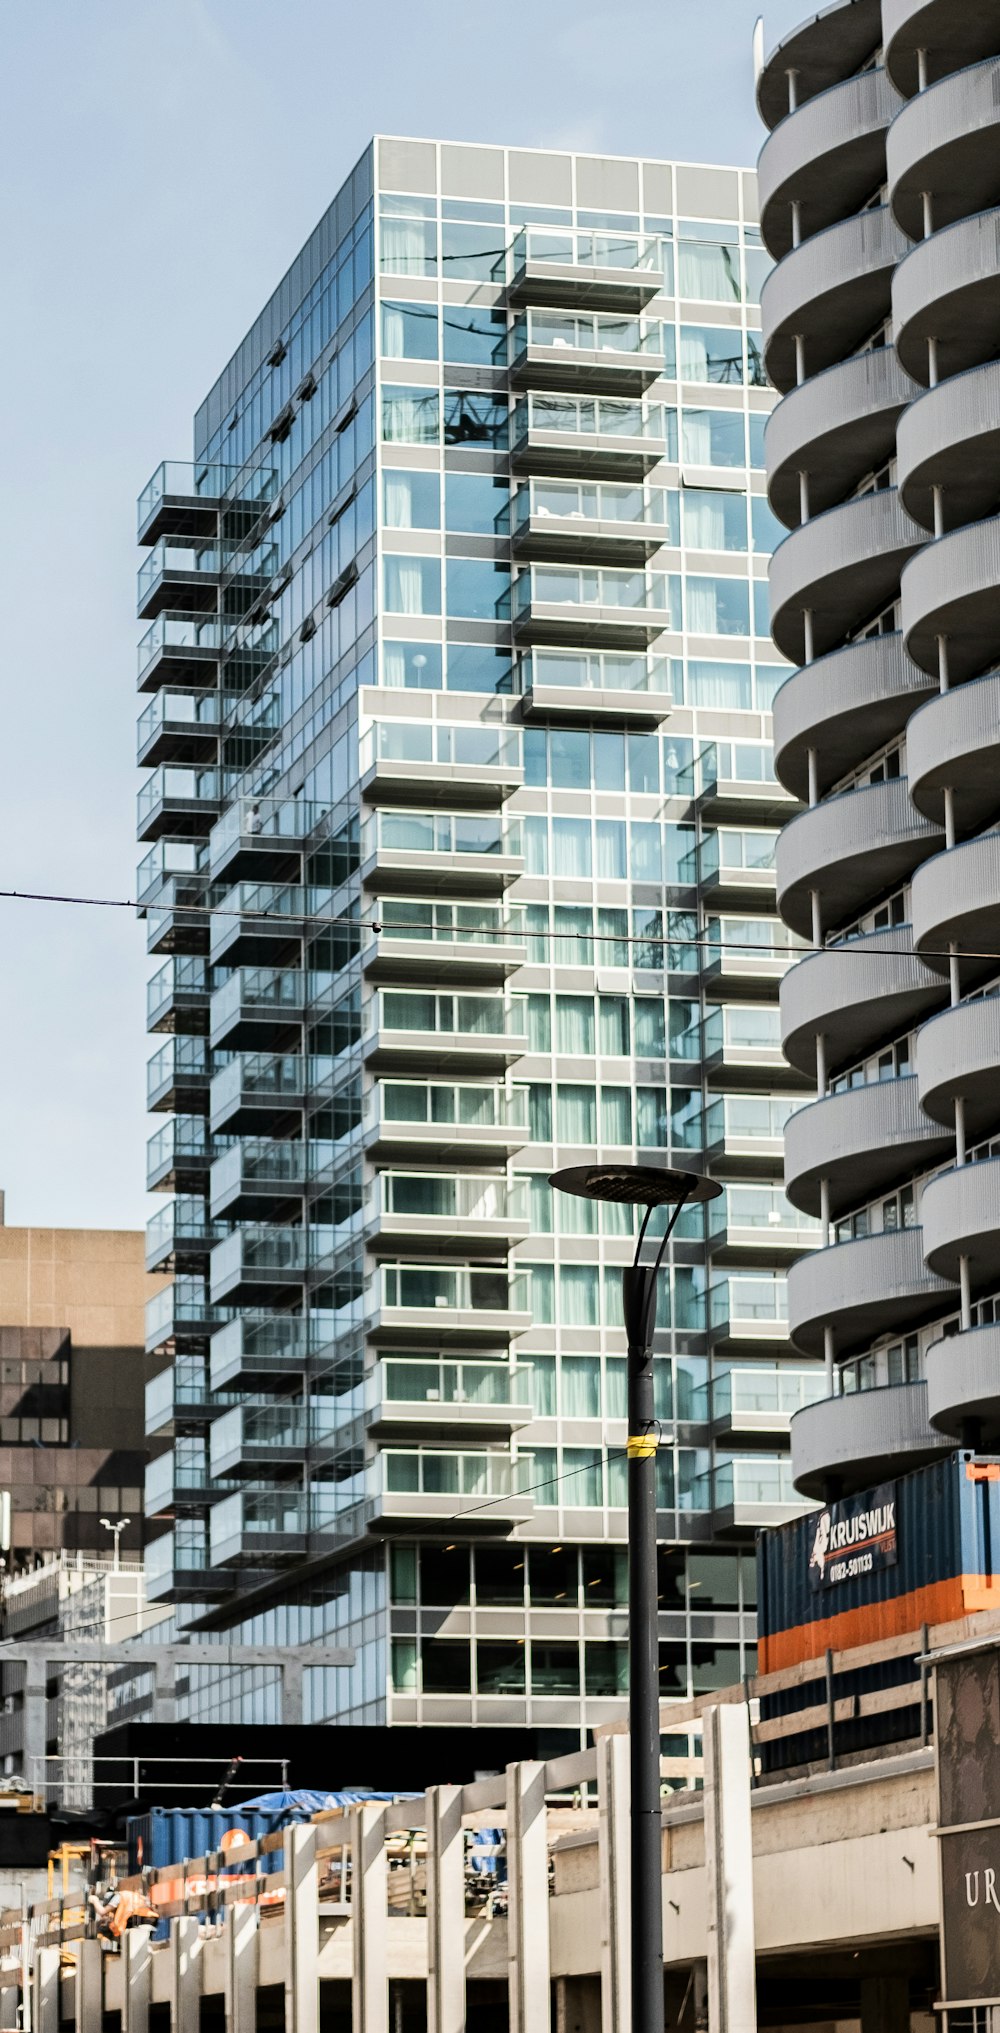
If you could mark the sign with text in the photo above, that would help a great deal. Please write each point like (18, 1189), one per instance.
(967, 1726)
(854, 1537)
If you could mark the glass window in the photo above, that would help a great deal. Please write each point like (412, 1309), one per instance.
(714, 1666)
(646, 850)
(573, 945)
(715, 519)
(766, 530)
(444, 1576)
(410, 500)
(410, 416)
(477, 503)
(575, 1024)
(713, 1581)
(605, 1578)
(474, 335)
(413, 666)
(673, 1670)
(718, 606)
(473, 251)
(535, 757)
(708, 269)
(613, 1019)
(650, 1033)
(408, 246)
(612, 850)
(555, 1669)
(542, 1289)
(474, 668)
(616, 1128)
(500, 1667)
(712, 353)
(540, 1210)
(579, 1303)
(761, 608)
(757, 426)
(576, 1115)
(403, 1574)
(543, 1385)
(571, 848)
(447, 1667)
(500, 1574)
(580, 1384)
(612, 927)
(539, 1113)
(411, 585)
(719, 684)
(553, 1576)
(409, 331)
(404, 1665)
(569, 758)
(474, 418)
(643, 762)
(539, 1023)
(651, 1117)
(714, 437)
(605, 1672)
(609, 762)
(478, 588)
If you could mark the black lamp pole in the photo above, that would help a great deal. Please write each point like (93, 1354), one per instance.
(645, 1187)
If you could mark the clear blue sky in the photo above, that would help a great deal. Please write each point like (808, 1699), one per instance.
(164, 165)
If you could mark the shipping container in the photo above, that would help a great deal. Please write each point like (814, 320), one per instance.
(918, 1551)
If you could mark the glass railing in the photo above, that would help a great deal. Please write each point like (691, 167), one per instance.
(759, 942)
(182, 631)
(184, 974)
(281, 1076)
(412, 1471)
(438, 1382)
(193, 560)
(747, 1300)
(765, 1393)
(733, 1028)
(758, 1207)
(459, 1288)
(282, 1339)
(583, 331)
(166, 860)
(448, 924)
(182, 1136)
(290, 819)
(181, 1468)
(457, 1197)
(747, 1117)
(471, 1016)
(257, 1514)
(474, 1107)
(266, 901)
(471, 747)
(174, 784)
(270, 1250)
(184, 1384)
(592, 586)
(183, 1221)
(478, 833)
(605, 416)
(181, 1305)
(265, 1426)
(565, 248)
(191, 482)
(184, 1550)
(185, 1057)
(596, 671)
(264, 988)
(259, 1161)
(179, 709)
(750, 1480)
(592, 501)
(726, 851)
(738, 762)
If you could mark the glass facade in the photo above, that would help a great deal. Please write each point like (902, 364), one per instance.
(459, 866)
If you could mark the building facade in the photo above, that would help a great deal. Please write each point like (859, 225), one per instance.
(879, 187)
(460, 826)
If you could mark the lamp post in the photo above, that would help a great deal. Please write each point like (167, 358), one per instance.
(116, 1532)
(648, 1187)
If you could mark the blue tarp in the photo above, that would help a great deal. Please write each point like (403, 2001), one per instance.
(298, 1805)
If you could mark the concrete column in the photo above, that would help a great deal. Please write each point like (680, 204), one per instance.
(9, 1998)
(928, 214)
(527, 1900)
(807, 635)
(34, 1725)
(185, 1948)
(800, 359)
(369, 1921)
(301, 1930)
(164, 1703)
(89, 2007)
(136, 1979)
(817, 917)
(292, 1672)
(45, 2017)
(948, 800)
(804, 508)
(796, 223)
(932, 363)
(732, 1998)
(445, 1911)
(813, 763)
(241, 1970)
(614, 1870)
(885, 2005)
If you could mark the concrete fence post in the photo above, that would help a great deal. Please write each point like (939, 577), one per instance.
(136, 1979)
(732, 1997)
(614, 1866)
(369, 1921)
(527, 1900)
(241, 1969)
(445, 1911)
(301, 1930)
(45, 2018)
(185, 1947)
(89, 2008)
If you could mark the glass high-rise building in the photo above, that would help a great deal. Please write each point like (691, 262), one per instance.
(456, 684)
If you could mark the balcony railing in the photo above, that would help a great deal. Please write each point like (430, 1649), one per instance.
(460, 1105)
(762, 1209)
(415, 1471)
(596, 501)
(432, 833)
(486, 1385)
(204, 483)
(428, 1015)
(763, 1482)
(596, 416)
(749, 1301)
(465, 1289)
(757, 1394)
(595, 586)
(745, 1117)
(575, 671)
(265, 822)
(731, 1027)
(461, 1197)
(606, 249)
(728, 853)
(433, 743)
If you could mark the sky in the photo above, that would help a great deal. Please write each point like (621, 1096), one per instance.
(163, 166)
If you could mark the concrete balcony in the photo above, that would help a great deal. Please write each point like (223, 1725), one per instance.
(462, 853)
(958, 1055)
(459, 943)
(843, 567)
(858, 845)
(564, 350)
(956, 900)
(862, 1289)
(950, 438)
(262, 1354)
(748, 1494)
(410, 1121)
(435, 1211)
(257, 1093)
(837, 427)
(597, 271)
(433, 763)
(953, 33)
(177, 996)
(954, 742)
(757, 1404)
(947, 288)
(952, 589)
(258, 1008)
(963, 1399)
(831, 292)
(960, 1212)
(470, 1033)
(261, 1529)
(827, 157)
(593, 437)
(840, 1445)
(432, 1399)
(862, 1142)
(856, 996)
(587, 607)
(820, 50)
(946, 141)
(425, 1303)
(844, 706)
(414, 1489)
(260, 924)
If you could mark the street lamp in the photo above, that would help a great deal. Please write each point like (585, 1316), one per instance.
(648, 1187)
(117, 1531)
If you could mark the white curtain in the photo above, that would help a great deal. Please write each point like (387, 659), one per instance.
(398, 500)
(578, 1295)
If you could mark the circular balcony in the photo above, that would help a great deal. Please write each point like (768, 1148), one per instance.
(963, 1387)
(828, 46)
(862, 1289)
(954, 33)
(947, 141)
(843, 566)
(960, 1213)
(862, 1142)
(840, 1445)
(956, 898)
(844, 707)
(952, 589)
(827, 157)
(950, 438)
(955, 740)
(836, 428)
(948, 289)
(855, 996)
(856, 846)
(958, 1056)
(831, 292)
